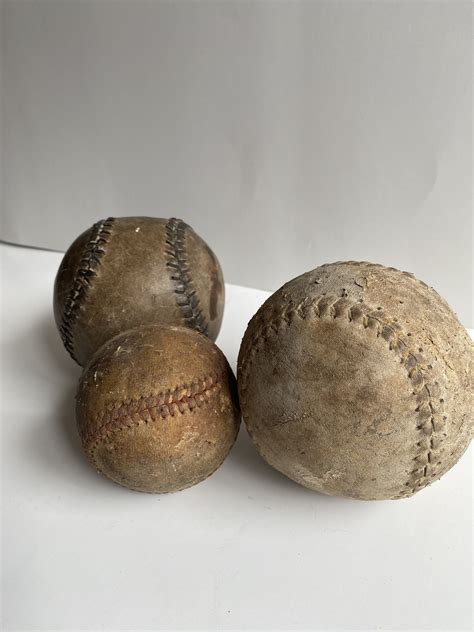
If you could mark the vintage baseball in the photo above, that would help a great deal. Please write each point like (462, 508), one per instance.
(157, 408)
(354, 380)
(132, 271)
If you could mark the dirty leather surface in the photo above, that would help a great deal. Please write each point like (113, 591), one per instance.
(157, 408)
(355, 380)
(129, 271)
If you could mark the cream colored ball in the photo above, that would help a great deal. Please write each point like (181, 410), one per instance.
(354, 380)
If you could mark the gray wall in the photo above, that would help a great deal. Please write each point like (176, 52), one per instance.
(287, 134)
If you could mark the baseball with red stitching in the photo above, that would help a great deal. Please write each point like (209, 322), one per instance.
(157, 408)
(130, 271)
(355, 380)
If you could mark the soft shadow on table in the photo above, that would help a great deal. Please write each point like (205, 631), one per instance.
(53, 349)
(65, 372)
(244, 454)
(246, 457)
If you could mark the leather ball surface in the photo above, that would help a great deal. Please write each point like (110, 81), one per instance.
(355, 380)
(131, 271)
(157, 408)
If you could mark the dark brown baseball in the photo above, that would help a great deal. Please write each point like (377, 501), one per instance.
(132, 271)
(157, 408)
(354, 380)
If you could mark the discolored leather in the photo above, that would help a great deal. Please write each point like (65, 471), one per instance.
(354, 380)
(130, 271)
(157, 408)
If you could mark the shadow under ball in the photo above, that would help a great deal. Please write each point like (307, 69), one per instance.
(131, 271)
(354, 380)
(157, 409)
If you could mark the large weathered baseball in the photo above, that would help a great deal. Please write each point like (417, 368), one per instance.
(354, 380)
(132, 271)
(157, 408)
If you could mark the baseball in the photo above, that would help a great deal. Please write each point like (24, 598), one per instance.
(354, 380)
(132, 271)
(157, 409)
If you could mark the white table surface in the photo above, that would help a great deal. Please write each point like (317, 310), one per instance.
(246, 549)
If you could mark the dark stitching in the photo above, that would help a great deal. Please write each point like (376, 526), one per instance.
(331, 307)
(186, 297)
(88, 265)
(185, 397)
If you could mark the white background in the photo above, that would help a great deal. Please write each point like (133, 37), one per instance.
(246, 549)
(297, 133)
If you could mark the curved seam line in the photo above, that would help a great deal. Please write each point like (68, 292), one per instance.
(334, 308)
(89, 263)
(145, 409)
(185, 294)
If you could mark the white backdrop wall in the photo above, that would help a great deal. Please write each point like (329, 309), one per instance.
(287, 133)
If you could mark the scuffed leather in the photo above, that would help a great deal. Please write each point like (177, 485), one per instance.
(130, 271)
(157, 408)
(354, 380)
